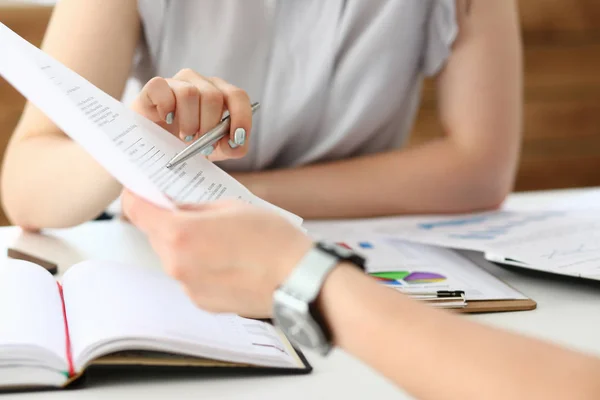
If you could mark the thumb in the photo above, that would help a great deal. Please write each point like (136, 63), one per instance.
(143, 214)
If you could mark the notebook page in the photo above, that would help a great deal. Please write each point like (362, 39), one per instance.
(31, 313)
(108, 303)
(132, 148)
(268, 341)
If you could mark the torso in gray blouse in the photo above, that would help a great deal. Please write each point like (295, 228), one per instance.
(336, 78)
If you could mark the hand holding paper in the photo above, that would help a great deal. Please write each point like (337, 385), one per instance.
(130, 147)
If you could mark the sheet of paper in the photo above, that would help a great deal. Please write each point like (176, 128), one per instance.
(569, 245)
(132, 148)
(555, 241)
(469, 232)
(479, 232)
(110, 303)
(412, 267)
(31, 313)
(588, 199)
(550, 240)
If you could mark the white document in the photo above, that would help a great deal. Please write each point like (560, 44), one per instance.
(555, 241)
(564, 242)
(413, 267)
(130, 147)
(585, 199)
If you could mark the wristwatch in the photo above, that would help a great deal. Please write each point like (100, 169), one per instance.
(295, 308)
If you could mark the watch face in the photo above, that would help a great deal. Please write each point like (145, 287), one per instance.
(299, 327)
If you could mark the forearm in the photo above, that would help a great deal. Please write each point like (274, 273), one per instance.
(414, 345)
(64, 186)
(433, 178)
(48, 180)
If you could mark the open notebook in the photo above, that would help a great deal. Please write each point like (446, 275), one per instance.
(130, 147)
(108, 314)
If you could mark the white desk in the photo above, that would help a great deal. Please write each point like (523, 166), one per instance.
(568, 313)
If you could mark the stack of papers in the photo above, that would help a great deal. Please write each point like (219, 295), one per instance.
(562, 242)
(425, 272)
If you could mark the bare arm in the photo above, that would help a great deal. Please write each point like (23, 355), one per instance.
(477, 361)
(471, 168)
(466, 360)
(48, 180)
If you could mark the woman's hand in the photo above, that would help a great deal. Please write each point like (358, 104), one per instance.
(189, 105)
(229, 256)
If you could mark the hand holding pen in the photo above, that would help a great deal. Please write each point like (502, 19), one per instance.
(190, 105)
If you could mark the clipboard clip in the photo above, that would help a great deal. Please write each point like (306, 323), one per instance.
(441, 298)
(439, 294)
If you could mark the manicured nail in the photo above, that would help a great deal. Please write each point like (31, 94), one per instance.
(208, 151)
(170, 117)
(232, 144)
(188, 138)
(239, 137)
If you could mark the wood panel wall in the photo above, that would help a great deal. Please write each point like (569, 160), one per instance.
(561, 144)
(30, 22)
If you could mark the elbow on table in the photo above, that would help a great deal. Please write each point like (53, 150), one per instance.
(489, 191)
(16, 212)
(32, 221)
(492, 200)
(32, 215)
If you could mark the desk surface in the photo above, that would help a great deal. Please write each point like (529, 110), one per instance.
(567, 313)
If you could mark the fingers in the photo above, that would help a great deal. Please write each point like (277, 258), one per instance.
(239, 106)
(156, 101)
(146, 216)
(187, 118)
(212, 99)
(189, 105)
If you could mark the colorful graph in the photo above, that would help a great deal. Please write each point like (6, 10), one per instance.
(400, 278)
(362, 245)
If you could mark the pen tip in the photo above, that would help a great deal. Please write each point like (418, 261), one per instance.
(169, 165)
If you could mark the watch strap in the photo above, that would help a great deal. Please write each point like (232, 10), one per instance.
(306, 280)
(343, 254)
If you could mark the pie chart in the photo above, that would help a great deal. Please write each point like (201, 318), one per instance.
(424, 277)
(400, 278)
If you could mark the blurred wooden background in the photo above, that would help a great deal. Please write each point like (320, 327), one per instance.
(561, 145)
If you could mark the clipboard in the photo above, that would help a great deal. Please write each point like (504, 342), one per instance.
(457, 301)
(489, 306)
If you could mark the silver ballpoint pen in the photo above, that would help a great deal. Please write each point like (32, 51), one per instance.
(206, 140)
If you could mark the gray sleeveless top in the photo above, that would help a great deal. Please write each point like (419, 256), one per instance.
(336, 78)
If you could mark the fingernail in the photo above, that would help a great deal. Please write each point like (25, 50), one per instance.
(170, 117)
(208, 151)
(188, 138)
(239, 137)
(232, 144)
